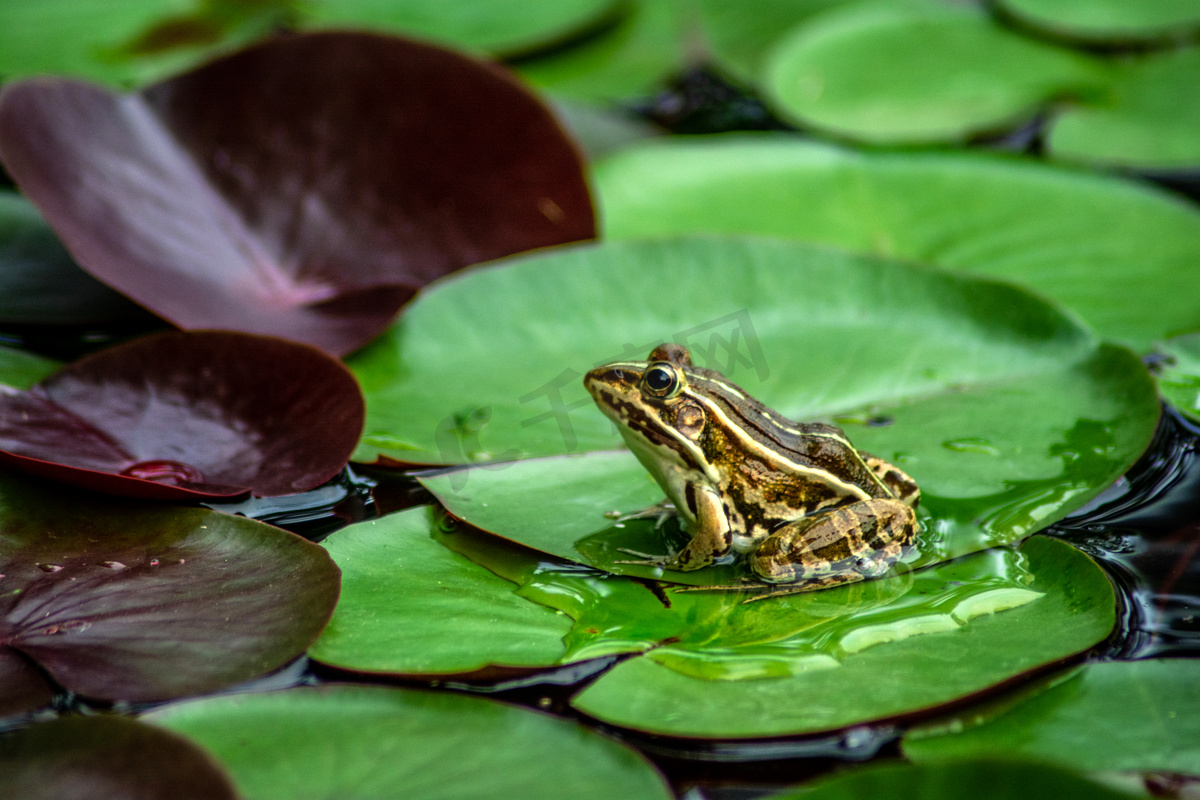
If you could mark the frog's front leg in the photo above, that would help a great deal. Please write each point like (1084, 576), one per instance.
(711, 537)
(840, 545)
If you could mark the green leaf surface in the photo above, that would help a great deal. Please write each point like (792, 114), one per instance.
(355, 742)
(917, 73)
(1179, 380)
(409, 605)
(21, 370)
(971, 780)
(1123, 255)
(125, 41)
(1108, 21)
(493, 26)
(856, 653)
(1148, 120)
(631, 59)
(1115, 716)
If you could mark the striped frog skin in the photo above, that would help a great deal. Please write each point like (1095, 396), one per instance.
(804, 506)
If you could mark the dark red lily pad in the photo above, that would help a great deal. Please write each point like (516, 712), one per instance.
(188, 415)
(304, 188)
(118, 600)
(107, 758)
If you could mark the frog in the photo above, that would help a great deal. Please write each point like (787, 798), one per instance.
(797, 501)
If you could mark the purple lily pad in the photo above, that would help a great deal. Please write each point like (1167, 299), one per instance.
(85, 758)
(188, 415)
(117, 600)
(305, 187)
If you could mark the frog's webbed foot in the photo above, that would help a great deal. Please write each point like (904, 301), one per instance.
(647, 559)
(659, 512)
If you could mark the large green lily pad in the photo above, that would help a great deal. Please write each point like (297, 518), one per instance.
(1121, 254)
(873, 656)
(355, 742)
(1149, 119)
(1108, 21)
(918, 73)
(1117, 716)
(1179, 380)
(970, 780)
(409, 605)
(495, 26)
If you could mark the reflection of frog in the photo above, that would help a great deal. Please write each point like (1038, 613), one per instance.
(808, 508)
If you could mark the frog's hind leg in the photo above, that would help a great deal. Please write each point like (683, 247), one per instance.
(841, 545)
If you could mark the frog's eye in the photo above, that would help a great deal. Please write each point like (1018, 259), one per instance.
(661, 380)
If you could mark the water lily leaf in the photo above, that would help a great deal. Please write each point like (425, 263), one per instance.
(21, 370)
(1108, 21)
(1149, 120)
(1179, 380)
(110, 757)
(124, 601)
(896, 664)
(409, 605)
(1114, 716)
(970, 780)
(1121, 254)
(183, 415)
(918, 73)
(494, 26)
(394, 743)
(631, 59)
(23, 688)
(303, 188)
(40, 284)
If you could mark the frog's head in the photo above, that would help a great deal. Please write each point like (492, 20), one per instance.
(654, 406)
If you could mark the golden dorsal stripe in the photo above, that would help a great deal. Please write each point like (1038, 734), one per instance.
(818, 475)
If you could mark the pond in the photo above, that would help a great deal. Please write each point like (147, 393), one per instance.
(301, 491)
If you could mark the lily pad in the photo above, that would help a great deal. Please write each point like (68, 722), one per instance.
(115, 758)
(1149, 120)
(22, 370)
(494, 26)
(1121, 254)
(411, 606)
(970, 780)
(1117, 716)
(305, 187)
(186, 415)
(1179, 380)
(393, 743)
(1108, 21)
(905, 661)
(918, 73)
(122, 601)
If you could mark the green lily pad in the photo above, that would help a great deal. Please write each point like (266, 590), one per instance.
(494, 26)
(356, 742)
(849, 669)
(1121, 254)
(409, 605)
(971, 780)
(22, 370)
(1117, 716)
(1108, 21)
(1149, 120)
(918, 73)
(106, 757)
(631, 59)
(1179, 380)
(120, 41)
